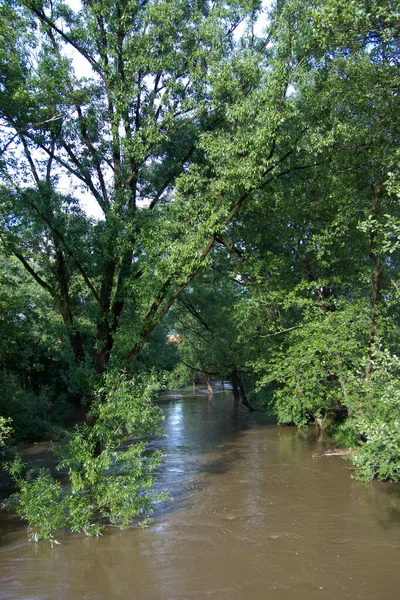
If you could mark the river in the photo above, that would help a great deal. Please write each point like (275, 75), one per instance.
(253, 516)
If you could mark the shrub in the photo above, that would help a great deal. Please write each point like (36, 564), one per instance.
(108, 469)
(376, 421)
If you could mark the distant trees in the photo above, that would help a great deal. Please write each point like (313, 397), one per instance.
(36, 375)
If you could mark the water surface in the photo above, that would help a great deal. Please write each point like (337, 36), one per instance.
(253, 516)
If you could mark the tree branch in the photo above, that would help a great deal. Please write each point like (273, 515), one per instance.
(35, 275)
(235, 253)
(194, 313)
(171, 178)
(61, 237)
(198, 370)
(45, 19)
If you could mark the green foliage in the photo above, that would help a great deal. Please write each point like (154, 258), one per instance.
(106, 469)
(376, 421)
(327, 236)
(344, 435)
(6, 430)
(35, 414)
(40, 500)
(35, 361)
(206, 321)
(313, 363)
(379, 454)
(181, 376)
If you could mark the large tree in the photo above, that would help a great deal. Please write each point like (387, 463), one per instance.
(130, 104)
(323, 243)
(317, 250)
(170, 121)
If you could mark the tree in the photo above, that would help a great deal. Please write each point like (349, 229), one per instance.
(332, 256)
(159, 135)
(175, 127)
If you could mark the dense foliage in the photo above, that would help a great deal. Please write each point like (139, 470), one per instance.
(313, 324)
(112, 484)
(244, 165)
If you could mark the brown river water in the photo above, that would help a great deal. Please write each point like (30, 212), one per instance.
(253, 516)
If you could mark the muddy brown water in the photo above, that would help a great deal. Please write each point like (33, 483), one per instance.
(253, 517)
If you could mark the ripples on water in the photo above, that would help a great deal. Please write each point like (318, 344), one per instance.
(253, 516)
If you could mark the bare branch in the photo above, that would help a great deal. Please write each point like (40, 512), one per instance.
(30, 160)
(280, 332)
(3, 150)
(198, 370)
(32, 125)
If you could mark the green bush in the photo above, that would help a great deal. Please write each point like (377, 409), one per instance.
(35, 414)
(5, 430)
(379, 454)
(376, 421)
(108, 470)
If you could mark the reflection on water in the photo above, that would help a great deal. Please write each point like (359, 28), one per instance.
(253, 516)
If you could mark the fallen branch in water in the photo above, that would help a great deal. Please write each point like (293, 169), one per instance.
(334, 452)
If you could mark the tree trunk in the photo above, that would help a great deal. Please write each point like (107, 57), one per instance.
(63, 294)
(207, 381)
(245, 402)
(238, 390)
(235, 386)
(104, 335)
(376, 284)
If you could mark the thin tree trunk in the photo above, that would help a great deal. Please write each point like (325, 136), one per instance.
(235, 390)
(103, 333)
(376, 284)
(207, 381)
(238, 390)
(235, 385)
(245, 402)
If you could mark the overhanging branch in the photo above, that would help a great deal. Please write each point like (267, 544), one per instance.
(35, 275)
